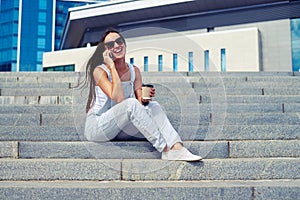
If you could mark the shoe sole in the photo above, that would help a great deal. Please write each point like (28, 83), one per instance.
(184, 160)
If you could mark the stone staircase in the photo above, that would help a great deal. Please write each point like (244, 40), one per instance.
(245, 125)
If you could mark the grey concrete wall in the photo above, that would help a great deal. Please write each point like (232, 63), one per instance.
(276, 49)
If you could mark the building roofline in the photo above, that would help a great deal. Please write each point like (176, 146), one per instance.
(96, 17)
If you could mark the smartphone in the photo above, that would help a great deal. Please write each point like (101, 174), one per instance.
(111, 56)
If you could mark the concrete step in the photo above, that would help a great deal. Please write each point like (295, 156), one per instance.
(177, 119)
(209, 80)
(235, 119)
(215, 99)
(240, 132)
(107, 150)
(165, 81)
(144, 150)
(212, 169)
(193, 99)
(187, 132)
(38, 80)
(36, 100)
(39, 74)
(160, 91)
(238, 83)
(218, 79)
(36, 92)
(288, 107)
(205, 108)
(36, 108)
(39, 133)
(161, 77)
(38, 77)
(149, 190)
(238, 74)
(257, 91)
(226, 91)
(149, 169)
(221, 74)
(45, 86)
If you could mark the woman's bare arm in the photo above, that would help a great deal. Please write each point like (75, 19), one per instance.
(112, 89)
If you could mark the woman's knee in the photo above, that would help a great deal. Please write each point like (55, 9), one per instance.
(131, 101)
(154, 105)
(132, 104)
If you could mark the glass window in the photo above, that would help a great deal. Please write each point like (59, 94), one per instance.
(296, 60)
(14, 55)
(16, 15)
(60, 21)
(69, 68)
(146, 63)
(5, 29)
(41, 30)
(191, 61)
(61, 68)
(6, 42)
(295, 36)
(16, 3)
(42, 4)
(5, 55)
(175, 62)
(39, 67)
(15, 28)
(41, 43)
(48, 69)
(39, 56)
(5, 67)
(206, 60)
(223, 60)
(160, 63)
(5, 4)
(57, 43)
(42, 17)
(132, 61)
(15, 41)
(60, 8)
(13, 67)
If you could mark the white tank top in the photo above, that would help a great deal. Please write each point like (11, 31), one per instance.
(103, 102)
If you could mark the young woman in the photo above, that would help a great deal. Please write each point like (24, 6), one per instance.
(115, 102)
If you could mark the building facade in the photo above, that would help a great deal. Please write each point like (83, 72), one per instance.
(187, 35)
(30, 28)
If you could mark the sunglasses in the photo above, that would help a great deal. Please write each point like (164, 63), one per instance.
(111, 44)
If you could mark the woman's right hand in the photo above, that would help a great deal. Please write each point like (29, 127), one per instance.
(108, 61)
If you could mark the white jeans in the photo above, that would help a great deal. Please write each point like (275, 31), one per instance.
(152, 123)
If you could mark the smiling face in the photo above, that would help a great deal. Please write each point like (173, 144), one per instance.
(115, 44)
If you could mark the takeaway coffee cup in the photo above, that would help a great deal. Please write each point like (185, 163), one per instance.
(146, 91)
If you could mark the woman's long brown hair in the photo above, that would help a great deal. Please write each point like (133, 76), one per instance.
(95, 60)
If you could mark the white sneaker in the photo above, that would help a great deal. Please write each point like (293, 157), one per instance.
(180, 155)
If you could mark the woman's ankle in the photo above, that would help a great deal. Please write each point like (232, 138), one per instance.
(177, 146)
(166, 149)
